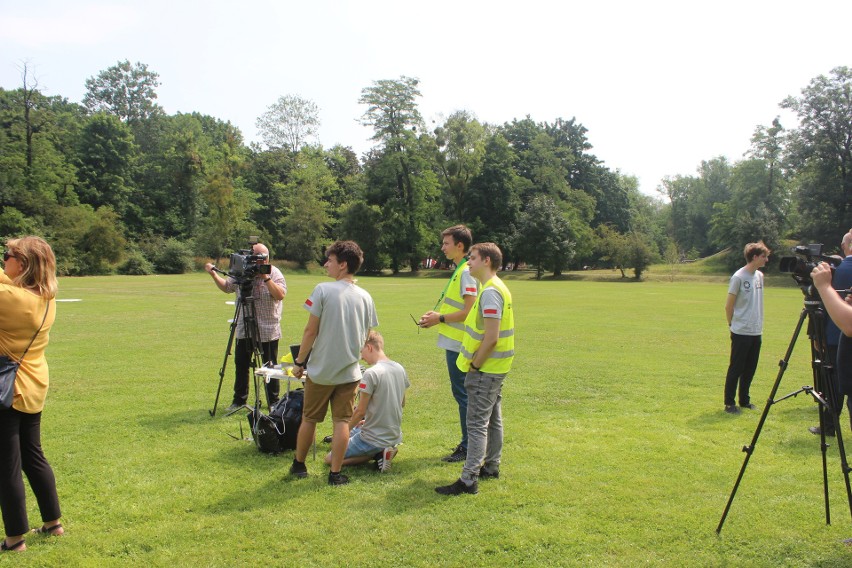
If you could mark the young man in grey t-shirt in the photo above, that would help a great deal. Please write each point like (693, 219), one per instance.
(744, 310)
(376, 423)
(341, 316)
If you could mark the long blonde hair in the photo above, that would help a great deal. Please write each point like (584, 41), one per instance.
(38, 265)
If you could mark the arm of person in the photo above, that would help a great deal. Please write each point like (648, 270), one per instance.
(432, 318)
(492, 331)
(308, 338)
(275, 290)
(840, 311)
(729, 307)
(361, 410)
(220, 282)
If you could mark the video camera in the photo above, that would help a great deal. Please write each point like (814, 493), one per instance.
(800, 267)
(246, 265)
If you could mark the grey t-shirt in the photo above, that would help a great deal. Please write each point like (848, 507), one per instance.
(385, 382)
(346, 313)
(748, 307)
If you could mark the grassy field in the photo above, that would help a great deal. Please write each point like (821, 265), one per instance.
(617, 451)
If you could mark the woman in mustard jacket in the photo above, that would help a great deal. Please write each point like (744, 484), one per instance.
(27, 290)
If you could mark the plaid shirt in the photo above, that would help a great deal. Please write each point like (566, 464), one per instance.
(267, 310)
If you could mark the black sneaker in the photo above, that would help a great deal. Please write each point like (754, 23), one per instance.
(817, 431)
(458, 488)
(749, 406)
(337, 479)
(484, 474)
(731, 409)
(458, 455)
(299, 470)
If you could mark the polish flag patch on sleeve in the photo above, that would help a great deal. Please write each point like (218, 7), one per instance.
(490, 311)
(363, 386)
(309, 303)
(471, 290)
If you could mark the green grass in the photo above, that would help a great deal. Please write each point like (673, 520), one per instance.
(617, 452)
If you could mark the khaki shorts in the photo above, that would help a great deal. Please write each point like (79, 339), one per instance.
(317, 397)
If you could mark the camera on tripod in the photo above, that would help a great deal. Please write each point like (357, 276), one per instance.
(800, 267)
(246, 265)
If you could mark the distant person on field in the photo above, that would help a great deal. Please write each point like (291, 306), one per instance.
(375, 428)
(341, 315)
(744, 310)
(452, 309)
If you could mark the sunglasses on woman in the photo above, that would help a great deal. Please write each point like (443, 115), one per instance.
(7, 255)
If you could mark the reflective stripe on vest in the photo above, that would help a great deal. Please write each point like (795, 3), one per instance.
(500, 360)
(453, 302)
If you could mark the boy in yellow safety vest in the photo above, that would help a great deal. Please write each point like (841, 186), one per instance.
(488, 350)
(449, 314)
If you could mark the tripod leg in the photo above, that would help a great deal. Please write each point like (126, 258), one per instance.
(227, 353)
(750, 448)
(825, 377)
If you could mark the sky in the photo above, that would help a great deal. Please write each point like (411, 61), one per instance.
(660, 85)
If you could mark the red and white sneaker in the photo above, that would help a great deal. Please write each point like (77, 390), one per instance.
(384, 462)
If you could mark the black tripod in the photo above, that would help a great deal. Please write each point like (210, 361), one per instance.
(244, 306)
(824, 373)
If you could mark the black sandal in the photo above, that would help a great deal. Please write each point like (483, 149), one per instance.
(15, 546)
(49, 531)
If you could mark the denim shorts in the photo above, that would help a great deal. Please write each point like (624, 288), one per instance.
(358, 447)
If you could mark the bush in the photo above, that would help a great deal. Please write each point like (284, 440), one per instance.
(136, 264)
(173, 257)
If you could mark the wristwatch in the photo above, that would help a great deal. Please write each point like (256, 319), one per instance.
(474, 367)
(441, 318)
(267, 279)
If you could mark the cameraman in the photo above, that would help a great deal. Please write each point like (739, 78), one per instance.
(268, 291)
(842, 279)
(841, 315)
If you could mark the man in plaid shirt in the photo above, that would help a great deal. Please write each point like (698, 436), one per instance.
(268, 291)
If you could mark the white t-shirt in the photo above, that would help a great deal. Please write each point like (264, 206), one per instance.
(748, 307)
(346, 313)
(385, 382)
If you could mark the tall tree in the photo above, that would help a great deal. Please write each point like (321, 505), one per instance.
(404, 171)
(126, 90)
(821, 151)
(544, 237)
(461, 149)
(289, 123)
(106, 157)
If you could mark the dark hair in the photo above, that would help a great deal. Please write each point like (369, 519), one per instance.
(460, 234)
(489, 250)
(752, 250)
(348, 252)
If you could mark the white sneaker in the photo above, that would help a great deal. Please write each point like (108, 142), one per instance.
(384, 462)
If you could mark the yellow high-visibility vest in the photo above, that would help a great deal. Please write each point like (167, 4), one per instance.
(500, 360)
(453, 301)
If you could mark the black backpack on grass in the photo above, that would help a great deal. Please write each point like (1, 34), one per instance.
(277, 432)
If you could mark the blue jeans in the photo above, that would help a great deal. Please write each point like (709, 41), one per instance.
(484, 423)
(358, 447)
(457, 378)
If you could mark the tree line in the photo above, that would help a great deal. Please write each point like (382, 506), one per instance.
(116, 184)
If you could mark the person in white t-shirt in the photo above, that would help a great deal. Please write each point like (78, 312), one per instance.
(744, 310)
(375, 428)
(341, 316)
